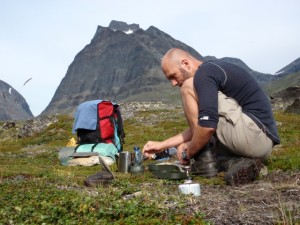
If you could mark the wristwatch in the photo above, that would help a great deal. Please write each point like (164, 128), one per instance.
(184, 155)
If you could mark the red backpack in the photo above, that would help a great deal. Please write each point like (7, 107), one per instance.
(99, 121)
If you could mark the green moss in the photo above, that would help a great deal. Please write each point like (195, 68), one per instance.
(36, 189)
(286, 156)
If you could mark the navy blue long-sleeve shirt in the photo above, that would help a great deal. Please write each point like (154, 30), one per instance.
(237, 83)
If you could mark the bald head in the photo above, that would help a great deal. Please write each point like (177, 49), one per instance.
(174, 56)
(178, 65)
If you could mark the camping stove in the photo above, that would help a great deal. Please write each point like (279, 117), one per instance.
(188, 187)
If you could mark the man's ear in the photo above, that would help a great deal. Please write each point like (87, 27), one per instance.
(185, 64)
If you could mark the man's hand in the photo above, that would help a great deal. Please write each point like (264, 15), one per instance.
(152, 147)
(180, 149)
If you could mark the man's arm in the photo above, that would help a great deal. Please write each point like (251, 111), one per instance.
(201, 137)
(189, 103)
(190, 107)
(158, 146)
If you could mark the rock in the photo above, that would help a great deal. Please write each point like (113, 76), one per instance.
(102, 177)
(35, 126)
(122, 26)
(294, 107)
(84, 161)
(287, 99)
(8, 125)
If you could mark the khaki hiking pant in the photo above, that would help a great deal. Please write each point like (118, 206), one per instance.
(239, 133)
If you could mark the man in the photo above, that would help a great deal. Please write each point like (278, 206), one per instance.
(223, 101)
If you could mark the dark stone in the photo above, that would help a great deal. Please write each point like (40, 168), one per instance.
(122, 26)
(99, 178)
(295, 107)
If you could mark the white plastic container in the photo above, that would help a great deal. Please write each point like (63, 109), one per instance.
(190, 188)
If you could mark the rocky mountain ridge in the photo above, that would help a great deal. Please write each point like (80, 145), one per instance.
(12, 104)
(122, 64)
(124, 27)
(262, 78)
(291, 68)
(119, 67)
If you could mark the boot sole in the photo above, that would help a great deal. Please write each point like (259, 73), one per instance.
(244, 175)
(207, 174)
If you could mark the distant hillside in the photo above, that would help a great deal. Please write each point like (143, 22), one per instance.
(283, 83)
(12, 105)
(285, 93)
(261, 78)
(291, 68)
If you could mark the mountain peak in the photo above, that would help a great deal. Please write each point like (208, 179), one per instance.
(124, 27)
(12, 104)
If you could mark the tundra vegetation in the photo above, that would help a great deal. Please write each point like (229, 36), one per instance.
(36, 189)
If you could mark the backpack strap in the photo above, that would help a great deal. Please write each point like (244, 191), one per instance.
(75, 150)
(121, 132)
(94, 147)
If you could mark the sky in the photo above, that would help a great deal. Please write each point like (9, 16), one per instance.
(40, 38)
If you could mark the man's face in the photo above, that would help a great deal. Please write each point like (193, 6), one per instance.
(176, 74)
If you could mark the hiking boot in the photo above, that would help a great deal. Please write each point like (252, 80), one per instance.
(204, 163)
(224, 162)
(242, 170)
